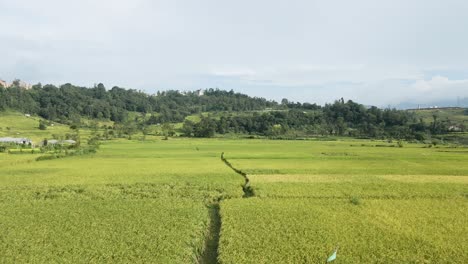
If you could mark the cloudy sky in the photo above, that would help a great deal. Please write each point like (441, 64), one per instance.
(376, 52)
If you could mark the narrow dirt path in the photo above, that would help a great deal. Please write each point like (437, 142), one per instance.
(210, 255)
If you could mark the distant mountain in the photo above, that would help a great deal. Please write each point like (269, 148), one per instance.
(462, 102)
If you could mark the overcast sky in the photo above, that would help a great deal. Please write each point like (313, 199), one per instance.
(373, 51)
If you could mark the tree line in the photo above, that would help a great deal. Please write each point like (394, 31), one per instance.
(337, 119)
(228, 112)
(69, 102)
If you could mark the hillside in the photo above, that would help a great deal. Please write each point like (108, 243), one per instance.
(204, 114)
(16, 124)
(453, 114)
(68, 103)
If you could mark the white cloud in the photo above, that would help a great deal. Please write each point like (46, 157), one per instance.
(317, 75)
(440, 86)
(366, 50)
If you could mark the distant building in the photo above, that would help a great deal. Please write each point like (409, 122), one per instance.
(18, 83)
(455, 129)
(15, 140)
(24, 85)
(200, 92)
(61, 142)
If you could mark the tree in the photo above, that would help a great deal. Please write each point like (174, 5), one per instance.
(276, 130)
(188, 128)
(42, 125)
(205, 128)
(168, 130)
(129, 128)
(144, 129)
(16, 82)
(340, 126)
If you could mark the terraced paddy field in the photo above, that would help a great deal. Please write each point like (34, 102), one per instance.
(176, 201)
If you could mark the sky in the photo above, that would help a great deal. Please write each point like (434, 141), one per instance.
(385, 52)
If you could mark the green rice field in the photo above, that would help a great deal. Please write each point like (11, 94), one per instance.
(176, 201)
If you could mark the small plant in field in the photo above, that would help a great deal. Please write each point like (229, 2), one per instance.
(3, 148)
(355, 200)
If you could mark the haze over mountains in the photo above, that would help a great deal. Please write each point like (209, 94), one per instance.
(456, 102)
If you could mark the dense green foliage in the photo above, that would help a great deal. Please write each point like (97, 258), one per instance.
(68, 102)
(224, 112)
(340, 118)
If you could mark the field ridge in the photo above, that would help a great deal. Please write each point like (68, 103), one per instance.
(210, 253)
(248, 191)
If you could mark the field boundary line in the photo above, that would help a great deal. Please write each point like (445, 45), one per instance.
(248, 191)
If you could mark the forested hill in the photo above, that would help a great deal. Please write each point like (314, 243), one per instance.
(235, 113)
(68, 101)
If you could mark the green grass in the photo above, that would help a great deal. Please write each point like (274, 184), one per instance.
(152, 202)
(132, 202)
(102, 231)
(454, 115)
(380, 204)
(15, 124)
(377, 231)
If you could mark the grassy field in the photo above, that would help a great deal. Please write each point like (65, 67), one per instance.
(453, 114)
(132, 202)
(15, 124)
(157, 201)
(377, 231)
(379, 204)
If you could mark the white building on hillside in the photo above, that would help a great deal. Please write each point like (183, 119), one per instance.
(15, 140)
(200, 92)
(61, 142)
(18, 83)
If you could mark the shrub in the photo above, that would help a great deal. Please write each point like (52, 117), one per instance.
(42, 125)
(355, 200)
(400, 144)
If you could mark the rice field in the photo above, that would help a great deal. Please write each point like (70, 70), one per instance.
(56, 230)
(132, 202)
(378, 204)
(175, 201)
(377, 231)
